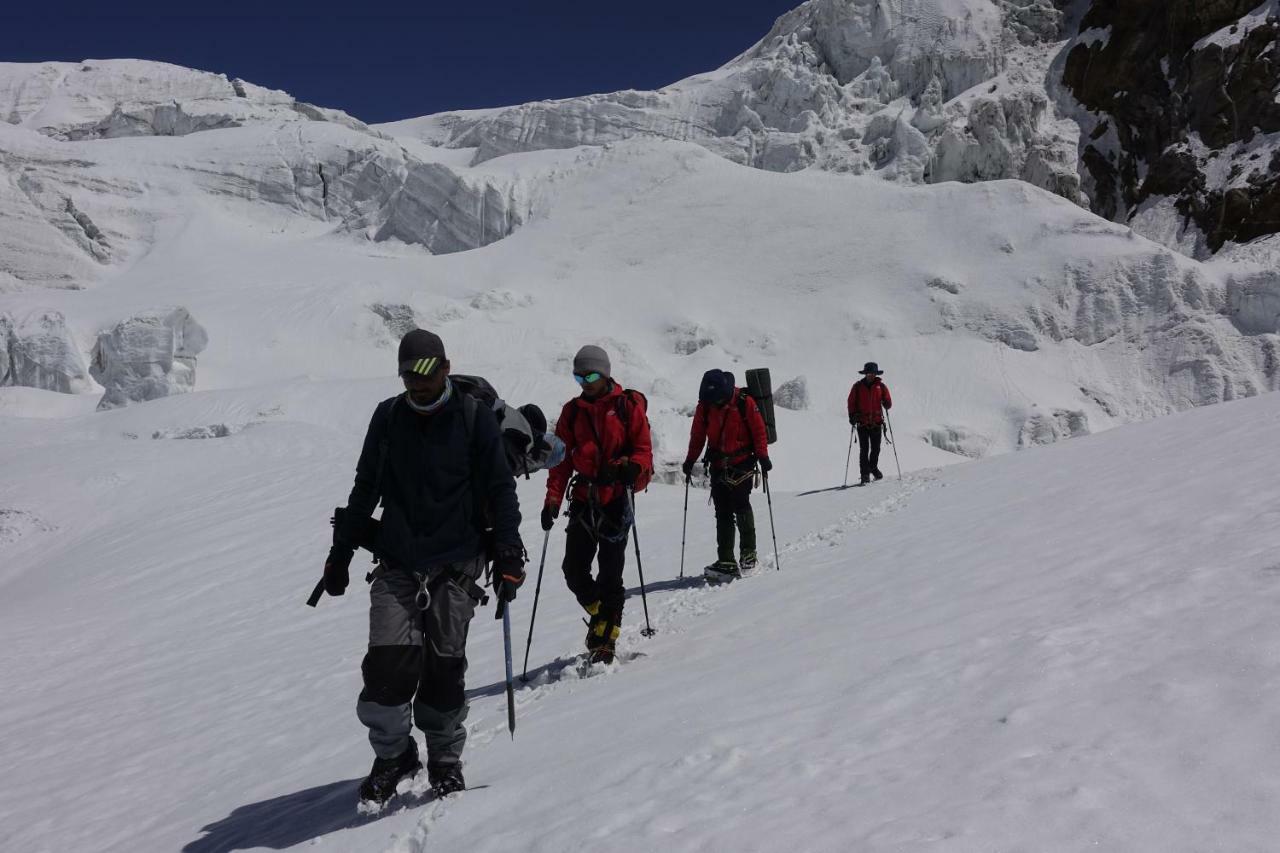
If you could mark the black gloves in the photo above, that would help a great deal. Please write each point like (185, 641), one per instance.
(853, 421)
(336, 576)
(508, 573)
(687, 468)
(549, 514)
(626, 473)
(765, 465)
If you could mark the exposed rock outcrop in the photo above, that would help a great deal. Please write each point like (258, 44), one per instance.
(1182, 133)
(792, 394)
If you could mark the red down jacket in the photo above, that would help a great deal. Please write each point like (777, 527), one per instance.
(732, 438)
(610, 429)
(866, 399)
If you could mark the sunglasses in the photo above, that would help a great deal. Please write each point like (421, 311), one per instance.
(584, 379)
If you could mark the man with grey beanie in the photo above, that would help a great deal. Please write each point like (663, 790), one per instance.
(434, 458)
(608, 457)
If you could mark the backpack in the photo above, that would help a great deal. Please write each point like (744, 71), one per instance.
(623, 411)
(528, 445)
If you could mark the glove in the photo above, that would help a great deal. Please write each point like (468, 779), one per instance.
(508, 573)
(853, 421)
(626, 473)
(336, 576)
(687, 468)
(549, 513)
(765, 465)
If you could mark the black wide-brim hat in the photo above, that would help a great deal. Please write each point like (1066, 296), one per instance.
(871, 367)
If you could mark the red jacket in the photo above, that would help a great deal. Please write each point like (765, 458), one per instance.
(595, 434)
(732, 438)
(866, 401)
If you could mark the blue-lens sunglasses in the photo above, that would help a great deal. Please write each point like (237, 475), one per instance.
(593, 376)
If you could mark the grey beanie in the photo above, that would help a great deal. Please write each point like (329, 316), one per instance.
(590, 359)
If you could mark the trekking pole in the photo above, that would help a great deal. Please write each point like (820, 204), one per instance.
(635, 538)
(506, 645)
(772, 530)
(684, 526)
(848, 456)
(537, 590)
(893, 444)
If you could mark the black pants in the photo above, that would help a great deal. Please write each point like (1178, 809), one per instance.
(869, 449)
(589, 537)
(733, 512)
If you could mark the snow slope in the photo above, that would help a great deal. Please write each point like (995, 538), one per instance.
(1013, 317)
(1032, 652)
(1064, 649)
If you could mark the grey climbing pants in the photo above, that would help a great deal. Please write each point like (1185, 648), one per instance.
(415, 667)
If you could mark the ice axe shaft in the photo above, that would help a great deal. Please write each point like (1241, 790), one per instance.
(506, 645)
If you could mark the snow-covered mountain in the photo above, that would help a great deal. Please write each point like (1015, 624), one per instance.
(201, 286)
(1162, 116)
(140, 265)
(912, 90)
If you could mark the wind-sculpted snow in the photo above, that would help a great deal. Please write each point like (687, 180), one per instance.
(108, 99)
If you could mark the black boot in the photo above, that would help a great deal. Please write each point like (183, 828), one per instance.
(446, 779)
(875, 472)
(387, 773)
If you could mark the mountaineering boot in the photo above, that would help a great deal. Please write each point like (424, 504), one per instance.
(875, 472)
(602, 652)
(446, 779)
(721, 570)
(602, 635)
(386, 774)
(748, 561)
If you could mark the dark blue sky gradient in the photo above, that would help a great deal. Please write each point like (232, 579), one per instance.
(384, 61)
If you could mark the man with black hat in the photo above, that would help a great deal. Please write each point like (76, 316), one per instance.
(434, 458)
(609, 455)
(868, 400)
(728, 422)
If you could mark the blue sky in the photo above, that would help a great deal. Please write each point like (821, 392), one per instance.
(383, 61)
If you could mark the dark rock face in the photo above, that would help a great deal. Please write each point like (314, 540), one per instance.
(1184, 96)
